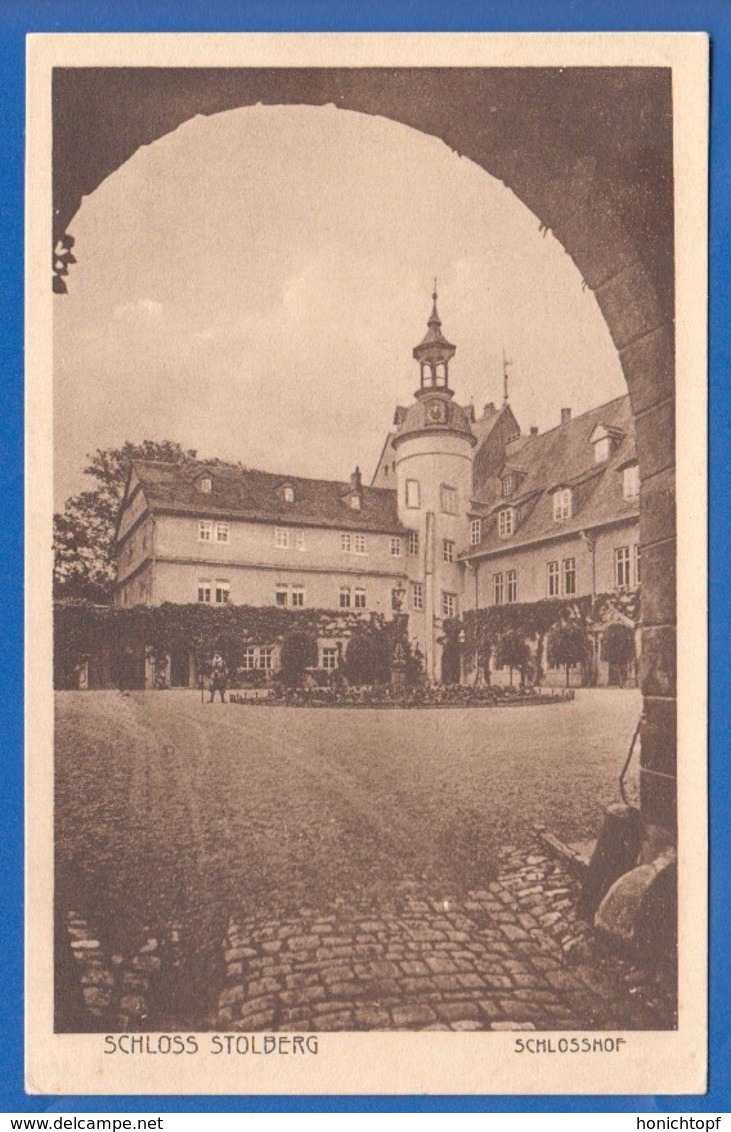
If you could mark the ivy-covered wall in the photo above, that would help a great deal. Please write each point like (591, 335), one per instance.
(108, 646)
(485, 628)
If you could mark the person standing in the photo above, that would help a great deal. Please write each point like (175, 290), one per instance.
(219, 677)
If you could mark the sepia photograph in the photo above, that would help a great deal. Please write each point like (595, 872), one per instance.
(360, 384)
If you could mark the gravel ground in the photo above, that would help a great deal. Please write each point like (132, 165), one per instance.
(173, 811)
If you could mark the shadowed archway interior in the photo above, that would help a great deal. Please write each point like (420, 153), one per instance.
(587, 150)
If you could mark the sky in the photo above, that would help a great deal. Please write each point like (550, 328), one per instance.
(252, 286)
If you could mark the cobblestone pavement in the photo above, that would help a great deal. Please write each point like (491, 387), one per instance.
(511, 956)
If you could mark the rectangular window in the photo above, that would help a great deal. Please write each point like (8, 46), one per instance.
(395, 547)
(413, 494)
(300, 539)
(621, 567)
(569, 576)
(281, 538)
(631, 482)
(397, 597)
(204, 591)
(345, 597)
(505, 522)
(448, 499)
(417, 595)
(638, 556)
(554, 585)
(345, 543)
(511, 586)
(449, 604)
(498, 589)
(248, 659)
(359, 598)
(448, 550)
(359, 543)
(507, 485)
(221, 532)
(297, 596)
(205, 530)
(562, 504)
(266, 659)
(475, 532)
(281, 594)
(329, 659)
(223, 593)
(413, 542)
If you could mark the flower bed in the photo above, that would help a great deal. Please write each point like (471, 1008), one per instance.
(456, 695)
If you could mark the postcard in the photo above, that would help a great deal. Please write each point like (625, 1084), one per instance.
(366, 528)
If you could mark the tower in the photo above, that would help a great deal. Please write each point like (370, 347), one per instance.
(434, 354)
(433, 443)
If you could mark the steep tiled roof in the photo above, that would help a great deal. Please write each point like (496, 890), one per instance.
(562, 457)
(239, 493)
(484, 425)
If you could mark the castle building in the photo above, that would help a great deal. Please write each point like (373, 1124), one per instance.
(462, 512)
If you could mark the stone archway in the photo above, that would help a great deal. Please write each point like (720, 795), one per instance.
(588, 150)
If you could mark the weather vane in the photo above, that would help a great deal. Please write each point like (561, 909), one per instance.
(506, 363)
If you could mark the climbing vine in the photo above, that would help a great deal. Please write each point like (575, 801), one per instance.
(485, 629)
(82, 629)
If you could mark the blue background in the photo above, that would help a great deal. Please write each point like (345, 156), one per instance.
(16, 20)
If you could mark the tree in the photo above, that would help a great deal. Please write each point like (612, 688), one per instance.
(299, 652)
(568, 645)
(451, 651)
(83, 533)
(513, 650)
(368, 657)
(618, 646)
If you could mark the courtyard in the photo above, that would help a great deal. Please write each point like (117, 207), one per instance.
(198, 839)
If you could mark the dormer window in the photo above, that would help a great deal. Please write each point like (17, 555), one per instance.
(288, 493)
(631, 481)
(605, 440)
(508, 485)
(506, 522)
(562, 504)
(355, 495)
(205, 485)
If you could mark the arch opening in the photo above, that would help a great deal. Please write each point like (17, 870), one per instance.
(592, 188)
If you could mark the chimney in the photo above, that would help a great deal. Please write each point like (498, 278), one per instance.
(489, 408)
(565, 416)
(534, 430)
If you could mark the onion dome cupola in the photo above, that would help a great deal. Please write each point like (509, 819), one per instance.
(433, 355)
